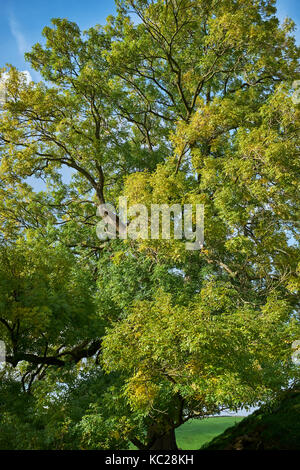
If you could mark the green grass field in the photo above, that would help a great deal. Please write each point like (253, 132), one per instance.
(193, 434)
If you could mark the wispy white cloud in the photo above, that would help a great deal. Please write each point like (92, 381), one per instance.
(17, 33)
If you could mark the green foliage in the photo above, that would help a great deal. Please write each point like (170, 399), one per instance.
(192, 104)
(213, 352)
(46, 298)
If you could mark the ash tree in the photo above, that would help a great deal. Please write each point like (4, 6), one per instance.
(119, 341)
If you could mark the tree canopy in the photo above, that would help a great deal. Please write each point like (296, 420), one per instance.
(119, 341)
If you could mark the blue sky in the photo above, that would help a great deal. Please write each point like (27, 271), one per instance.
(21, 22)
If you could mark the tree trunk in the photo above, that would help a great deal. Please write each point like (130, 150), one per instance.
(166, 441)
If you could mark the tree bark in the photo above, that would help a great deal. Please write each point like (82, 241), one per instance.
(166, 441)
